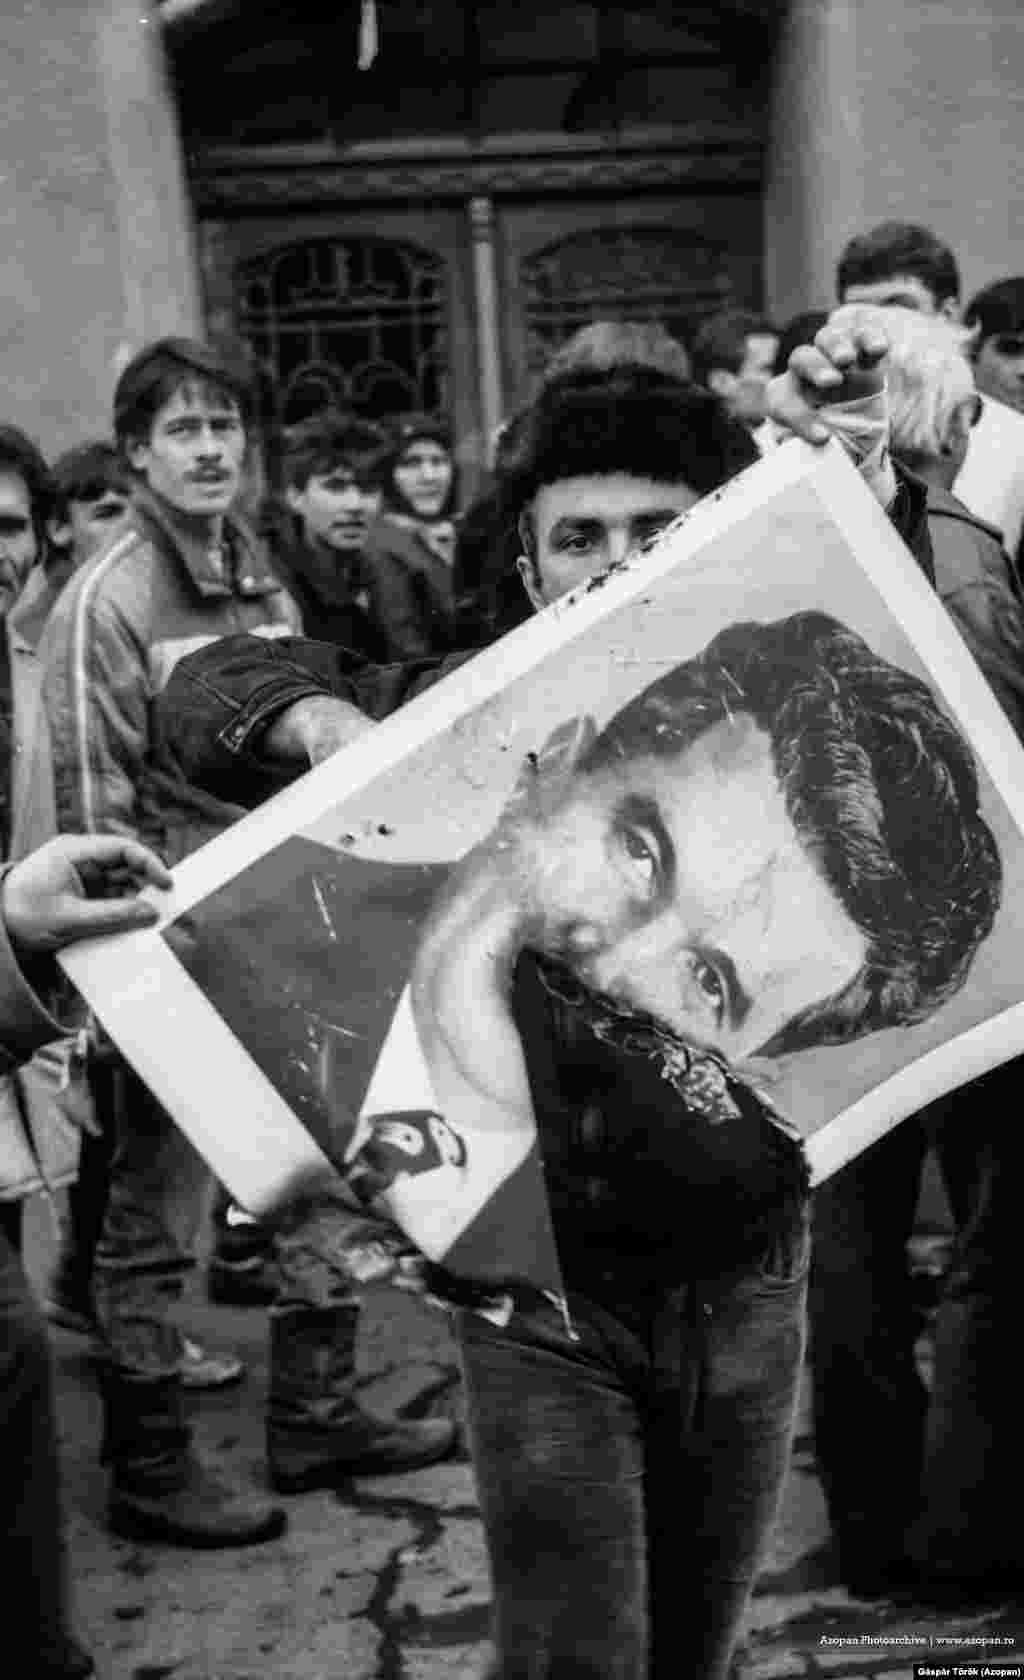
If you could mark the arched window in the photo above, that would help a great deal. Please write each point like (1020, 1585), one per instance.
(620, 274)
(356, 323)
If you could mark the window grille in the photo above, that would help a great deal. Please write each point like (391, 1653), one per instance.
(356, 323)
(620, 274)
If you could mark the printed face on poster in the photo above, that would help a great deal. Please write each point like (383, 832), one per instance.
(750, 789)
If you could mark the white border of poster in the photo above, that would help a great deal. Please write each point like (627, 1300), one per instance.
(196, 1066)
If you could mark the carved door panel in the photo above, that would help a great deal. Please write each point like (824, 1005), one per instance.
(648, 258)
(364, 311)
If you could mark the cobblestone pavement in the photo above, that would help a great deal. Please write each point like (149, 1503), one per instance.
(388, 1579)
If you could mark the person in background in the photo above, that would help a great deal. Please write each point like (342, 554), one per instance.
(996, 315)
(331, 467)
(734, 356)
(904, 265)
(183, 571)
(330, 473)
(607, 344)
(924, 1489)
(488, 543)
(95, 488)
(410, 554)
(58, 893)
(38, 1100)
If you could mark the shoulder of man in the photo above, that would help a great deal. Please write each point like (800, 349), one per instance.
(117, 580)
(966, 550)
(943, 504)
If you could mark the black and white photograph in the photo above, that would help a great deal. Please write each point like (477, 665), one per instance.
(512, 889)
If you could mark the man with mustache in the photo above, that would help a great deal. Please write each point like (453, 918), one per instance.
(183, 572)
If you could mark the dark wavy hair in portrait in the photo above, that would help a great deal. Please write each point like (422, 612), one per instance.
(881, 787)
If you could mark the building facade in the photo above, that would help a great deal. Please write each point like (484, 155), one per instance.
(409, 203)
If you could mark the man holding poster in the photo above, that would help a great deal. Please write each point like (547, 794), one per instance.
(677, 1196)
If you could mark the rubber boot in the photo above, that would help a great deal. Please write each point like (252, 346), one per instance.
(160, 1490)
(317, 1434)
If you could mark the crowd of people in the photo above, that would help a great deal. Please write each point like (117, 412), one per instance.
(167, 664)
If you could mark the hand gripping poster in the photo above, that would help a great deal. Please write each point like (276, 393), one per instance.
(746, 797)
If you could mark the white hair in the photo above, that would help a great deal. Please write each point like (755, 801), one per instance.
(928, 375)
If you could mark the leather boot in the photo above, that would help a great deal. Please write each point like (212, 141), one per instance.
(317, 1434)
(160, 1490)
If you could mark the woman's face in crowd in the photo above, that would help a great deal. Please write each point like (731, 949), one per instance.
(424, 477)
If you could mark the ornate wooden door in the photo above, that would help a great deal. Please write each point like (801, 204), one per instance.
(675, 260)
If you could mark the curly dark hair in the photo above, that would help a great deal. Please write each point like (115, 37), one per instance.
(881, 787)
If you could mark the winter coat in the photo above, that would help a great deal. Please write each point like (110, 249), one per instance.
(45, 1101)
(111, 643)
(333, 595)
(410, 581)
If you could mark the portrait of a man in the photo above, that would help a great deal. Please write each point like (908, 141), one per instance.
(777, 845)
(745, 812)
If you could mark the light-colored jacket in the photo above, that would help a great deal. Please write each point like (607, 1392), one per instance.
(110, 645)
(44, 1101)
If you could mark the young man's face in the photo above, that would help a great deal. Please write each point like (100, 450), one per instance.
(744, 392)
(580, 526)
(902, 291)
(18, 546)
(999, 368)
(679, 886)
(336, 507)
(93, 520)
(423, 475)
(195, 452)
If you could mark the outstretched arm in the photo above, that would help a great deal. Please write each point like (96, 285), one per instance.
(245, 715)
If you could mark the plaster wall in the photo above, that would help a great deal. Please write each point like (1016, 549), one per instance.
(97, 250)
(912, 109)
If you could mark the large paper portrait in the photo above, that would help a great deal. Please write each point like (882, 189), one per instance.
(785, 839)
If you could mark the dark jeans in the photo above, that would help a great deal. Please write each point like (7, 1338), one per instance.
(32, 1567)
(890, 1455)
(628, 1480)
(155, 1203)
(87, 1197)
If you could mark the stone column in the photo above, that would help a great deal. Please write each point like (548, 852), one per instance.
(97, 235)
(481, 215)
(907, 109)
